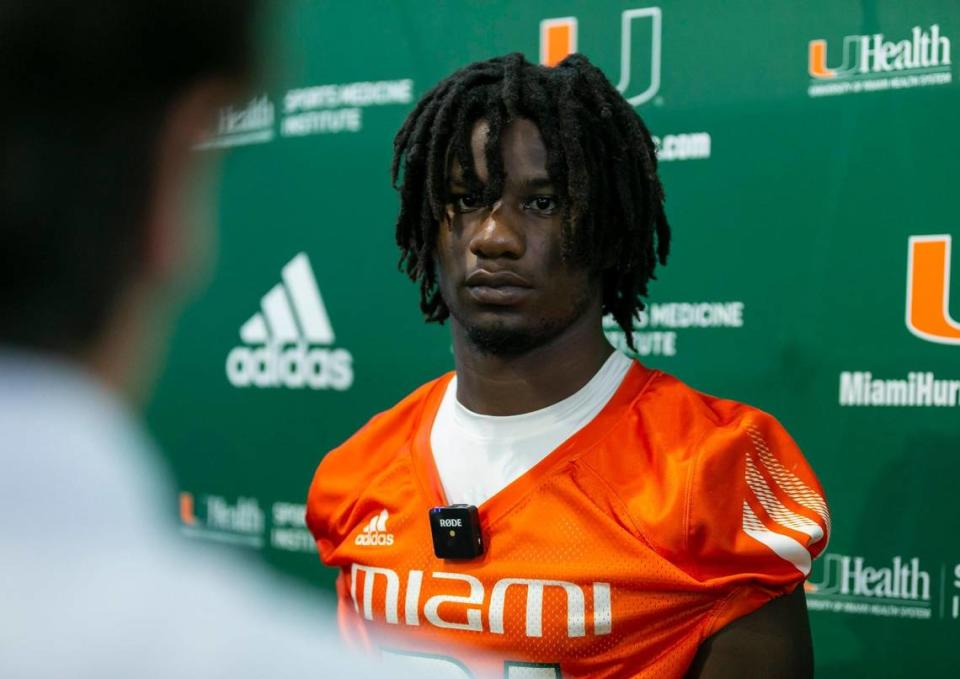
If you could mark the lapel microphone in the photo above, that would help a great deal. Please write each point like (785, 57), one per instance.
(456, 532)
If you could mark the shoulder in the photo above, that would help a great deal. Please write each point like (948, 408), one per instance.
(718, 487)
(375, 440)
(656, 442)
(240, 622)
(684, 412)
(352, 466)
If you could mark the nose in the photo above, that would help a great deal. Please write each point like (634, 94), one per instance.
(497, 236)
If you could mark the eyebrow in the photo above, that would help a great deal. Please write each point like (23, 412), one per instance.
(540, 182)
(528, 183)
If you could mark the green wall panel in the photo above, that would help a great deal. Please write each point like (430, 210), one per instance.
(794, 211)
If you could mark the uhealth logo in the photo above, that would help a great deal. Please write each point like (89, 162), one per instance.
(242, 125)
(871, 62)
(928, 290)
(281, 340)
(898, 587)
(871, 54)
(558, 38)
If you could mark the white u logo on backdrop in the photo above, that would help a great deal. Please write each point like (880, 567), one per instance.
(558, 38)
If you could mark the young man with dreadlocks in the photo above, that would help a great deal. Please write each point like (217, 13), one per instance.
(631, 526)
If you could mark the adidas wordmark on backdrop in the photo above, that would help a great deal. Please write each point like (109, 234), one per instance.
(281, 340)
(669, 515)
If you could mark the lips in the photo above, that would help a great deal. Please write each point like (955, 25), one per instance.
(499, 288)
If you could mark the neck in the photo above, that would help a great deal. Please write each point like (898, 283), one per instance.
(510, 385)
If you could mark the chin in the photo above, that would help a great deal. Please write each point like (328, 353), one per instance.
(500, 341)
(504, 338)
(504, 330)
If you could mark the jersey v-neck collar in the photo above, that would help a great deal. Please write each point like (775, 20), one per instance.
(425, 468)
(561, 419)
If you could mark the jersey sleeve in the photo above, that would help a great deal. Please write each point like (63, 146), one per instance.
(333, 507)
(342, 476)
(329, 502)
(756, 515)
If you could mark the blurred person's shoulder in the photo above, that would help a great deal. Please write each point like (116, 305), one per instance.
(377, 454)
(97, 582)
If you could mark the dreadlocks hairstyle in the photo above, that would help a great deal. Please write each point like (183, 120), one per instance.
(600, 157)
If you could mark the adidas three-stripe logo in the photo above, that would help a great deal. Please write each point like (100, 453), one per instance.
(299, 288)
(375, 532)
(291, 321)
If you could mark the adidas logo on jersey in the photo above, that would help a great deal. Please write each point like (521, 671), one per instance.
(281, 339)
(375, 533)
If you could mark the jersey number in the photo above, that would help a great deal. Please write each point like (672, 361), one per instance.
(444, 667)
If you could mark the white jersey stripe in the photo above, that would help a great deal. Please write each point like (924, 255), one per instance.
(788, 482)
(785, 547)
(776, 510)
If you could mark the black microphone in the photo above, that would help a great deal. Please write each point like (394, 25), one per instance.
(456, 532)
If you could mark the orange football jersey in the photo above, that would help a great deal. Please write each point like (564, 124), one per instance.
(669, 515)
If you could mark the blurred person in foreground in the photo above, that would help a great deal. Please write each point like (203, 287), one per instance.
(631, 525)
(104, 101)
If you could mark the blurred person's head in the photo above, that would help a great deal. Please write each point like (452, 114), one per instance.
(530, 202)
(104, 101)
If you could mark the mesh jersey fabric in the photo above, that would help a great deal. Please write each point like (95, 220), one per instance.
(669, 515)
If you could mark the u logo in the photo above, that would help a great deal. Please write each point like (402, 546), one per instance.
(928, 290)
(187, 515)
(558, 38)
(817, 64)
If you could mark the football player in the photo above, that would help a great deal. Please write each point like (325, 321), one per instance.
(626, 524)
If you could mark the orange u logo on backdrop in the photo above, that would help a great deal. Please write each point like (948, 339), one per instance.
(817, 62)
(187, 515)
(558, 38)
(928, 290)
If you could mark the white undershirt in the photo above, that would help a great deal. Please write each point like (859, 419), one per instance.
(478, 455)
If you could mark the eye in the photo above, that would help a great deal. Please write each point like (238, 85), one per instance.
(466, 202)
(544, 204)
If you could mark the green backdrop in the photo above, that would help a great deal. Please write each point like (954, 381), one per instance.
(803, 146)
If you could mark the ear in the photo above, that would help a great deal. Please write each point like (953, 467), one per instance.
(177, 232)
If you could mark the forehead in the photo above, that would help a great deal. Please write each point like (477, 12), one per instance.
(521, 145)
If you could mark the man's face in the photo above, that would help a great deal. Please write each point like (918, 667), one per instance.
(501, 272)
